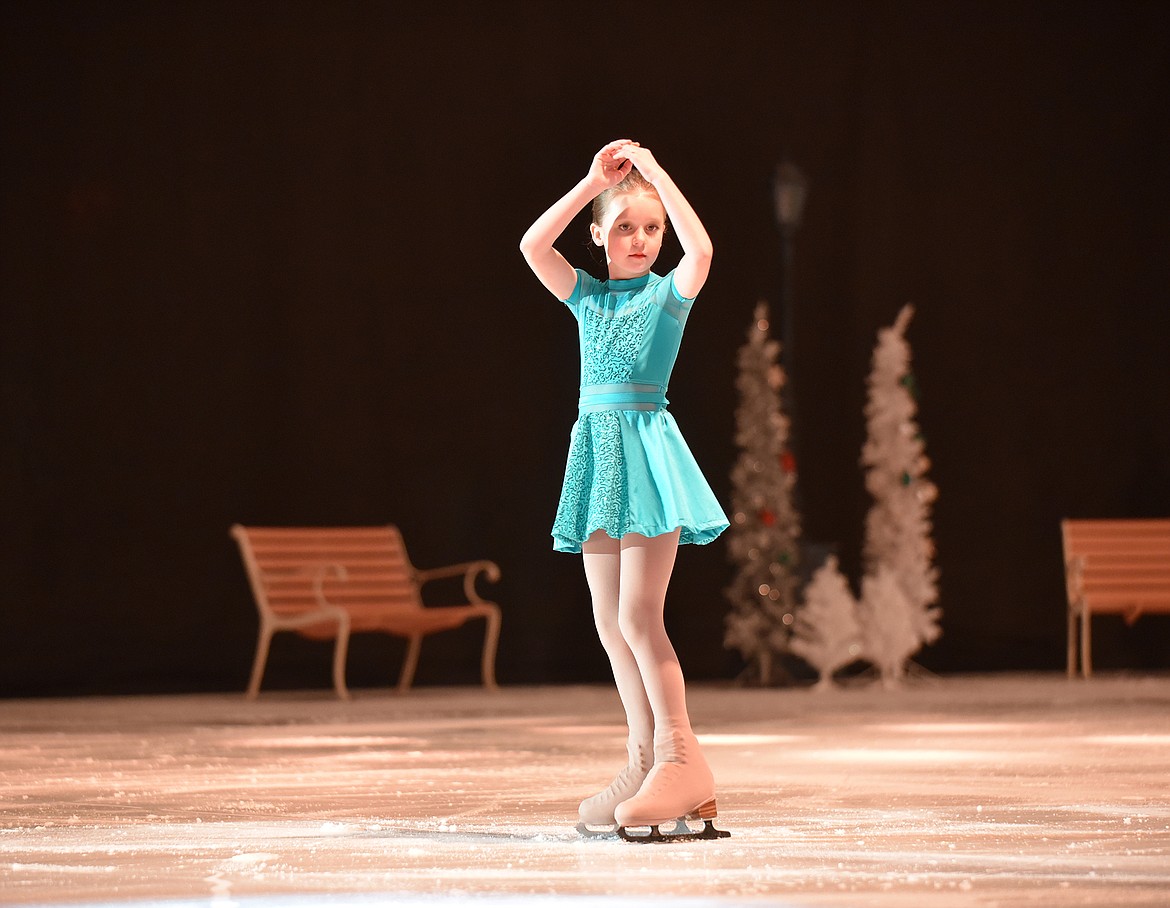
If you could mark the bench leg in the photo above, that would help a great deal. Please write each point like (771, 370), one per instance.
(261, 659)
(1086, 658)
(1072, 643)
(340, 652)
(408, 667)
(491, 641)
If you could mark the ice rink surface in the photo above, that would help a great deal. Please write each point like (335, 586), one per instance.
(998, 790)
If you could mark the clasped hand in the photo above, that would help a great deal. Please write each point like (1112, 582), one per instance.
(613, 162)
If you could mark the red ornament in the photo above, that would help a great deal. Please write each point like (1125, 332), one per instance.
(788, 462)
(767, 518)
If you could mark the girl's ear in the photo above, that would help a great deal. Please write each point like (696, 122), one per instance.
(595, 232)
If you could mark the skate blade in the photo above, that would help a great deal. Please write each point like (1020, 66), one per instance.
(597, 832)
(681, 832)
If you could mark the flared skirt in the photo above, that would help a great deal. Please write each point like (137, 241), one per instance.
(630, 471)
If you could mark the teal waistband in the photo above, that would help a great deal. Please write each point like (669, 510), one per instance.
(621, 396)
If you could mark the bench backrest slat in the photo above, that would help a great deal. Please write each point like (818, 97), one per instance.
(1150, 527)
(1109, 562)
(282, 566)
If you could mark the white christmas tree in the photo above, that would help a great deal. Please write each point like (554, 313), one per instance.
(827, 633)
(887, 624)
(898, 545)
(765, 527)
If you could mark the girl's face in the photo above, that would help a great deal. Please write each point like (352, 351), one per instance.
(631, 232)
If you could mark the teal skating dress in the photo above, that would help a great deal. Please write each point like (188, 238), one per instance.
(629, 469)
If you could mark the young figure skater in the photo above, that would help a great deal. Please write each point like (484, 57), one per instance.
(632, 490)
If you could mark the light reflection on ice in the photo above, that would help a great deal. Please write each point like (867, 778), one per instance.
(732, 740)
(586, 730)
(923, 755)
(935, 728)
(348, 741)
(1139, 740)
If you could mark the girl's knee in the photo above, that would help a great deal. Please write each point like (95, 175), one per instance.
(608, 626)
(640, 624)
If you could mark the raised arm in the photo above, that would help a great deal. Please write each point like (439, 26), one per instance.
(550, 266)
(693, 267)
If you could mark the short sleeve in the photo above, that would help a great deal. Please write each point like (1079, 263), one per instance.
(585, 286)
(673, 303)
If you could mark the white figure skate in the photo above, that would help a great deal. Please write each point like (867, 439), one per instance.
(680, 789)
(596, 813)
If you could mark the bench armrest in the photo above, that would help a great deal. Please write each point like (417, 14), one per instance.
(470, 571)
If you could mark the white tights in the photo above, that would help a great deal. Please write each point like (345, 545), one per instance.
(627, 579)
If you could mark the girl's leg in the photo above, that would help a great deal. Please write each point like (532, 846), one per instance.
(681, 782)
(601, 555)
(646, 566)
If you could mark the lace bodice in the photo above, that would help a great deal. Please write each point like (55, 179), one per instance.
(629, 330)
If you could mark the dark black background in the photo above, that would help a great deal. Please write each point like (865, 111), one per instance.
(260, 265)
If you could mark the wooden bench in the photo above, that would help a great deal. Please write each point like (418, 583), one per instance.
(1118, 567)
(329, 582)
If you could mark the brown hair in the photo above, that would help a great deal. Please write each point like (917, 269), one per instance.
(632, 183)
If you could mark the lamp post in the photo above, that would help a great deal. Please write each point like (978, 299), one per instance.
(790, 189)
